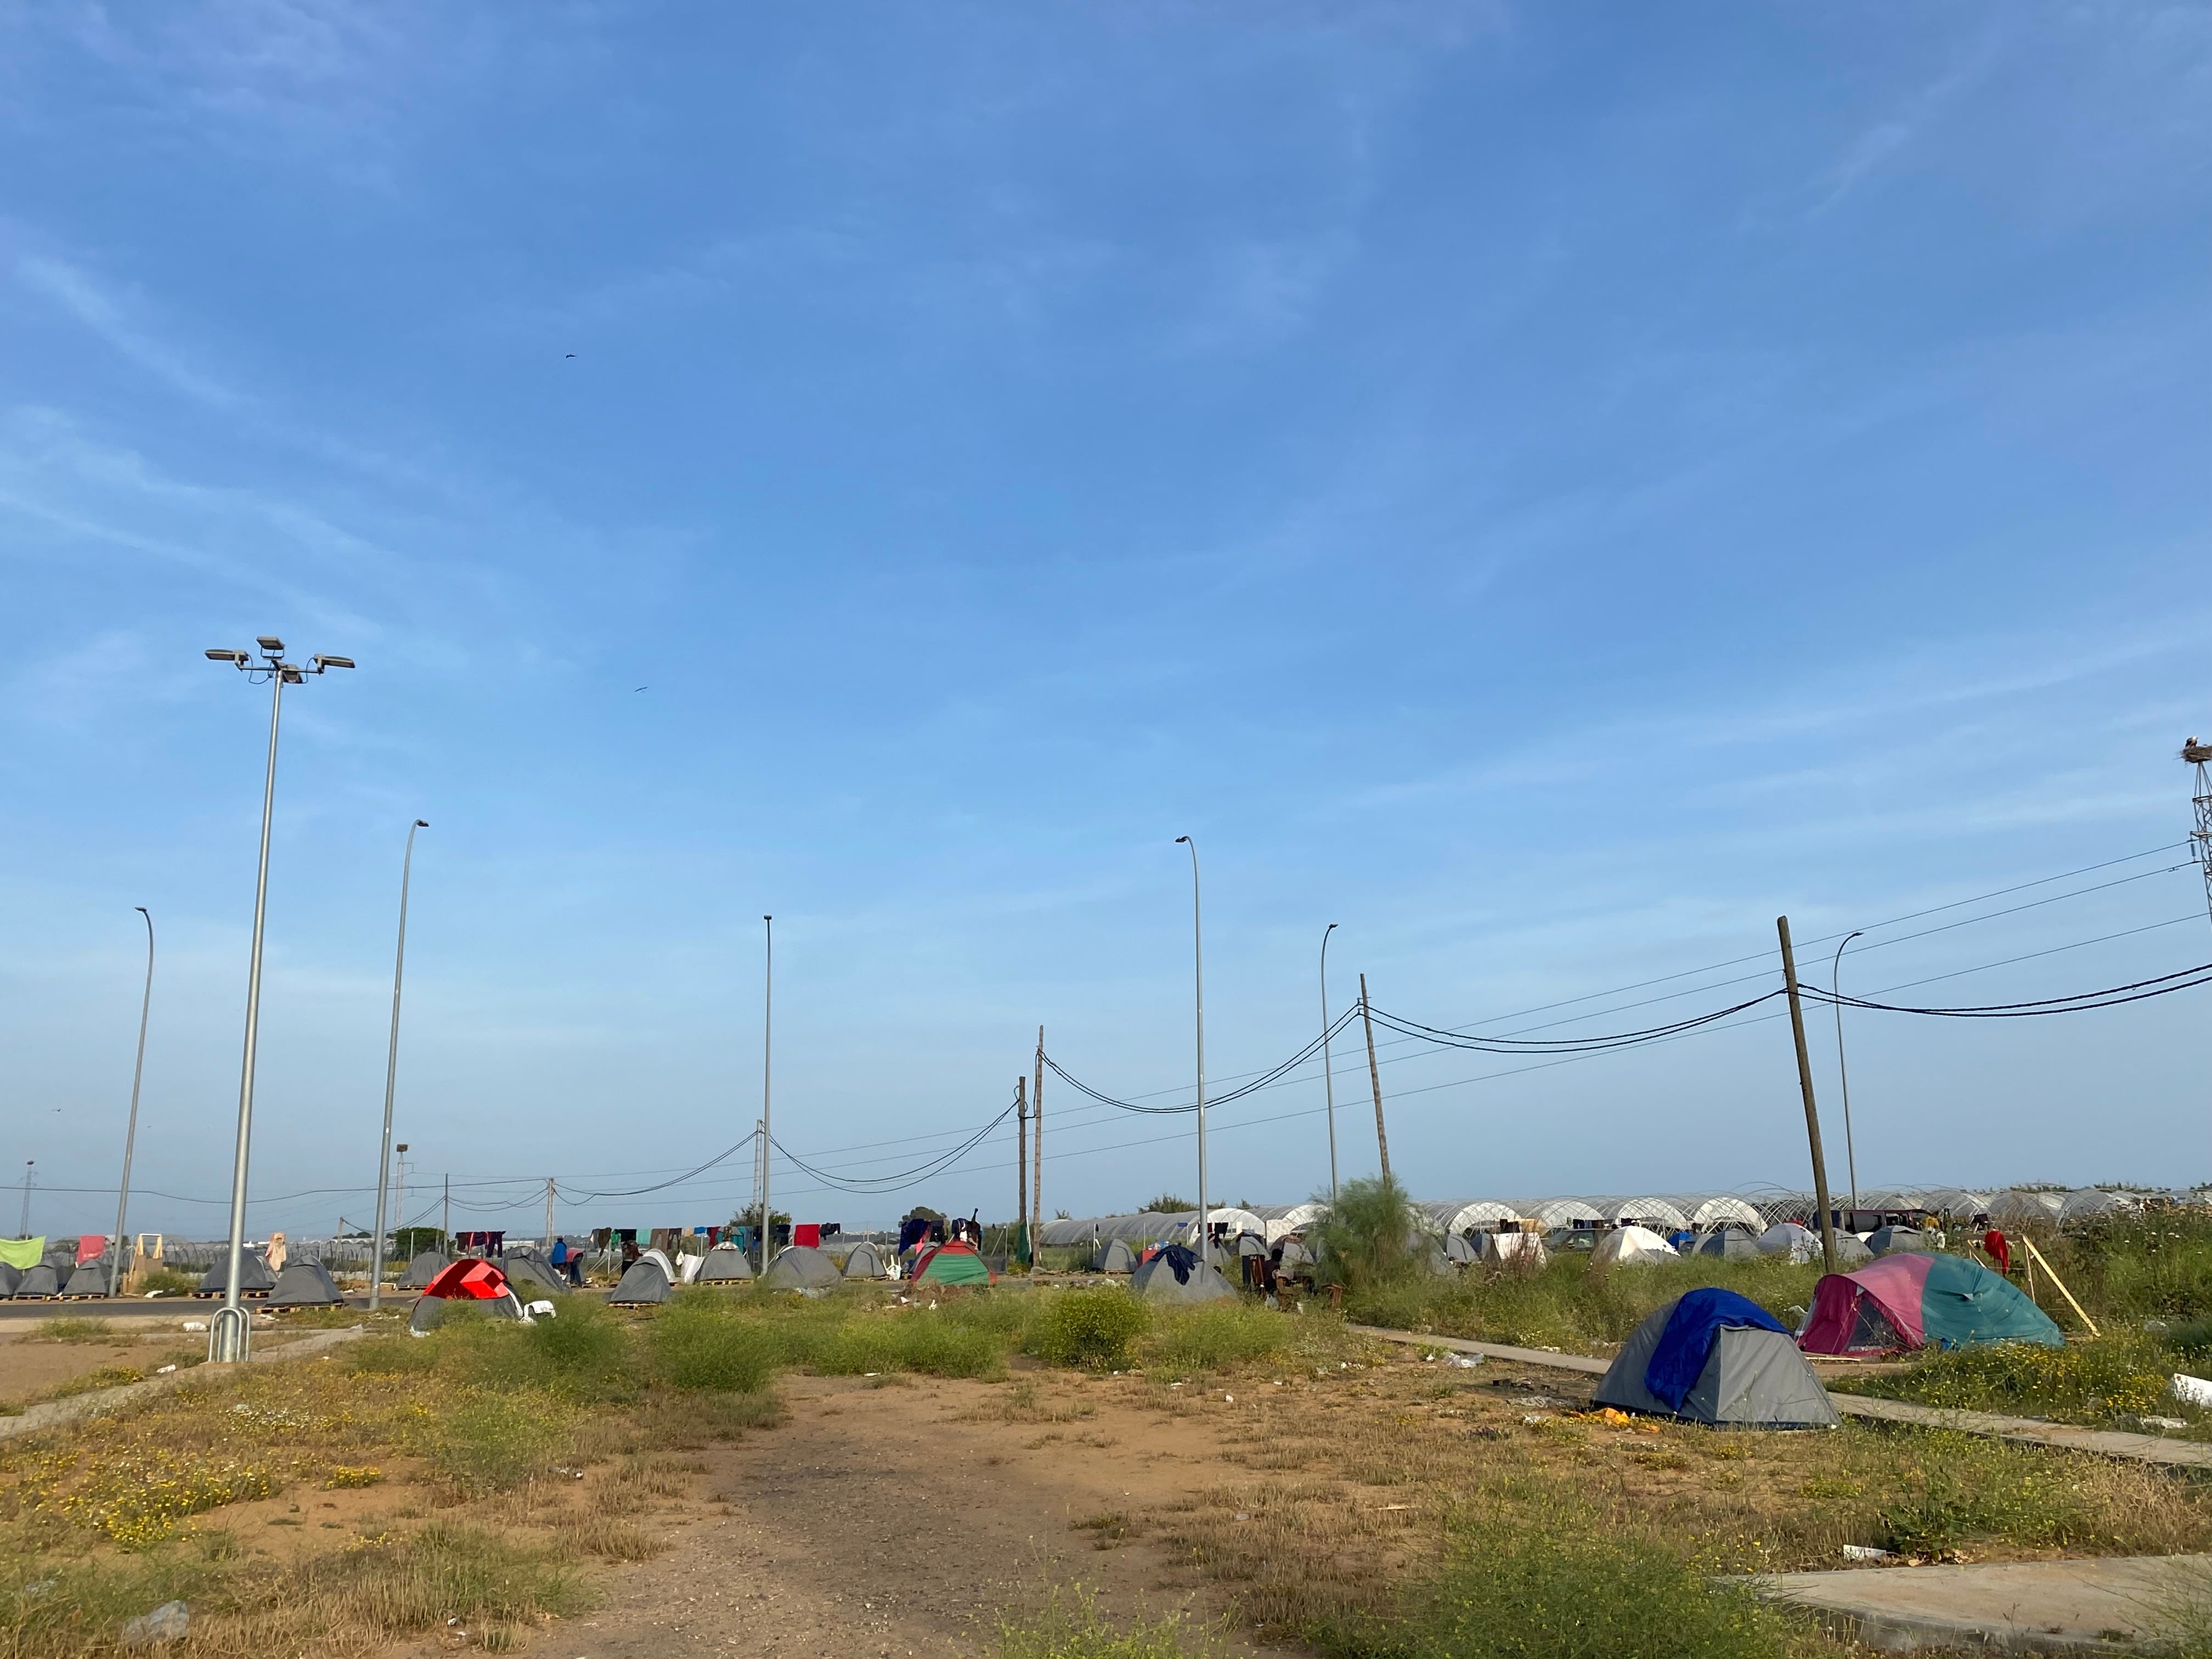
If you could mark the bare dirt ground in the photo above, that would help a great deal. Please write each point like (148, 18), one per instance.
(31, 1364)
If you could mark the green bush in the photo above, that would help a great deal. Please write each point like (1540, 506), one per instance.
(1370, 1237)
(1571, 1593)
(2114, 1380)
(1948, 1488)
(913, 1339)
(1092, 1328)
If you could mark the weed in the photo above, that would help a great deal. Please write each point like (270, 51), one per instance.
(1069, 1627)
(1092, 1328)
(493, 1442)
(2110, 1381)
(696, 1347)
(73, 1329)
(1211, 1336)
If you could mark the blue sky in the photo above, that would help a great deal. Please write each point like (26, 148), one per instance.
(1548, 488)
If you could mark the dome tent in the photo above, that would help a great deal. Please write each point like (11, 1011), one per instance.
(725, 1264)
(955, 1263)
(1716, 1357)
(1527, 1248)
(866, 1262)
(800, 1268)
(86, 1282)
(1910, 1301)
(254, 1278)
(644, 1283)
(1627, 1245)
(469, 1280)
(533, 1275)
(1887, 1241)
(426, 1267)
(304, 1284)
(10, 1277)
(39, 1284)
(1174, 1274)
(1729, 1243)
(1114, 1256)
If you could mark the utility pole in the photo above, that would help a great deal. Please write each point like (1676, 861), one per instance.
(1327, 1081)
(2198, 753)
(1375, 1081)
(130, 1135)
(1805, 1084)
(1037, 1146)
(399, 1194)
(391, 1074)
(1021, 1166)
(23, 1227)
(549, 1215)
(447, 1222)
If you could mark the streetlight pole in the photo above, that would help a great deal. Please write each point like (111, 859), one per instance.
(768, 1036)
(1328, 1082)
(1198, 970)
(227, 1341)
(130, 1135)
(1851, 1152)
(392, 1076)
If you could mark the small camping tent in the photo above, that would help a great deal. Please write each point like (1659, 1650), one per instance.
(800, 1268)
(1174, 1274)
(644, 1283)
(1525, 1249)
(1888, 1240)
(10, 1277)
(1114, 1256)
(533, 1275)
(1909, 1300)
(725, 1265)
(1626, 1245)
(39, 1284)
(1716, 1357)
(254, 1278)
(470, 1280)
(950, 1264)
(305, 1283)
(866, 1262)
(86, 1282)
(1793, 1241)
(426, 1267)
(1729, 1243)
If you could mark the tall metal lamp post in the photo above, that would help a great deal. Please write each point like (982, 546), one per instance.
(1851, 1152)
(1198, 970)
(768, 1035)
(130, 1135)
(1328, 1079)
(392, 1076)
(227, 1340)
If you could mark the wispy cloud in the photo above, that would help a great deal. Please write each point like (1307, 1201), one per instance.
(119, 321)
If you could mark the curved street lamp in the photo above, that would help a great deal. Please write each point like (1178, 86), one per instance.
(130, 1135)
(1851, 1154)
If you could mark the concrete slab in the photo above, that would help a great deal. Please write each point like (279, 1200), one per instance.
(2031, 1607)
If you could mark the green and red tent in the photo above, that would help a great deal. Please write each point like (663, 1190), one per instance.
(1913, 1300)
(955, 1263)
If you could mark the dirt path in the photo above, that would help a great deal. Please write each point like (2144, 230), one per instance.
(882, 1521)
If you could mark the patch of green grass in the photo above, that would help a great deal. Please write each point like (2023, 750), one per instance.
(494, 1442)
(1569, 1591)
(75, 1329)
(1069, 1627)
(1090, 1328)
(2110, 1382)
(695, 1346)
(911, 1339)
(1212, 1336)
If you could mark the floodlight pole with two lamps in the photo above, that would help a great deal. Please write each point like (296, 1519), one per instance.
(227, 1340)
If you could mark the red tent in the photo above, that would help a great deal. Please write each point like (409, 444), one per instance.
(468, 1280)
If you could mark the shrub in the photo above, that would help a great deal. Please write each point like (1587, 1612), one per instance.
(2122, 1377)
(1092, 1328)
(494, 1441)
(1370, 1235)
(696, 1348)
(1070, 1627)
(915, 1339)
(1578, 1593)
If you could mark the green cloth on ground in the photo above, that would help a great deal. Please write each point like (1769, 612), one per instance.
(24, 1253)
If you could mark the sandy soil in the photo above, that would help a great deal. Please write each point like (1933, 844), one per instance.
(29, 1365)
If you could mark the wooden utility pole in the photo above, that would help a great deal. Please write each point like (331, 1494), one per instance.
(549, 1215)
(1805, 1084)
(1036, 1152)
(1375, 1081)
(1022, 1166)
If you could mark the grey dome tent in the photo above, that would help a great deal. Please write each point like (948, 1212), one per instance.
(1850, 1250)
(1175, 1275)
(39, 1284)
(10, 1277)
(644, 1283)
(426, 1267)
(305, 1285)
(725, 1264)
(1114, 1256)
(800, 1268)
(531, 1272)
(865, 1262)
(1713, 1357)
(254, 1278)
(1883, 1240)
(88, 1281)
(1729, 1243)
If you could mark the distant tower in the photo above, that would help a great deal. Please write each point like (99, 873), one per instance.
(2199, 755)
